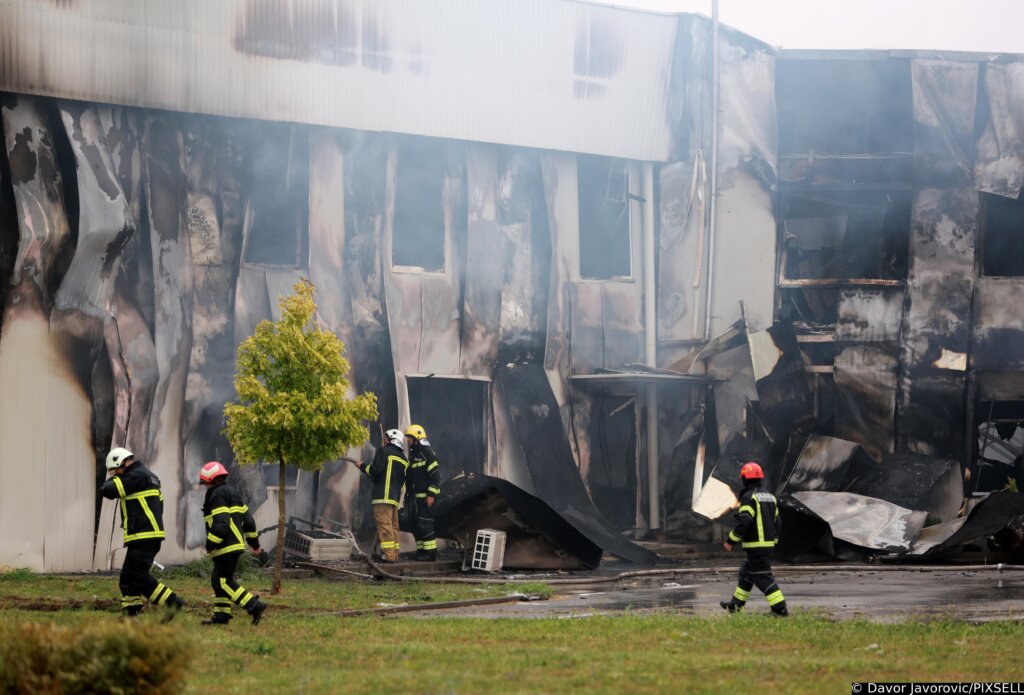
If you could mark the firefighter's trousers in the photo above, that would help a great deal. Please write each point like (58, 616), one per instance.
(136, 583)
(226, 590)
(386, 518)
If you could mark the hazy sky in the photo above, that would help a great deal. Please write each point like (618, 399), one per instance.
(963, 25)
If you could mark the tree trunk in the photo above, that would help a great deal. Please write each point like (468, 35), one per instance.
(279, 551)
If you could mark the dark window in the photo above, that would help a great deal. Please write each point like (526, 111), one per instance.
(272, 474)
(418, 233)
(453, 411)
(605, 250)
(846, 235)
(844, 106)
(279, 199)
(1002, 232)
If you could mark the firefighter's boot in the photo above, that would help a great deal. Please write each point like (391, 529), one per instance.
(218, 619)
(256, 611)
(171, 607)
(780, 609)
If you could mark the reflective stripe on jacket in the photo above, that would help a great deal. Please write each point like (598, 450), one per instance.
(142, 503)
(424, 478)
(229, 525)
(757, 519)
(387, 471)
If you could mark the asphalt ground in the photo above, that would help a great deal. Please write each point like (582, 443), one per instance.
(883, 596)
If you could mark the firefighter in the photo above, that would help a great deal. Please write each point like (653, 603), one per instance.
(229, 526)
(757, 529)
(387, 471)
(422, 485)
(142, 513)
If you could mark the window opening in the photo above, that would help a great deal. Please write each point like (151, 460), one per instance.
(278, 207)
(418, 228)
(605, 245)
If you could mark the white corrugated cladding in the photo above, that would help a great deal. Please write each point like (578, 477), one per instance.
(552, 74)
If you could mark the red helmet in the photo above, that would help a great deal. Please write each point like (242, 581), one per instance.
(211, 471)
(751, 471)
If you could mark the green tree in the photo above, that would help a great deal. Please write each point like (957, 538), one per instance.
(293, 405)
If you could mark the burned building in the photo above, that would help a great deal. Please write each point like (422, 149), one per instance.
(585, 247)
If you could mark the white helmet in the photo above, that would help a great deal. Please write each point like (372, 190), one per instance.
(396, 437)
(116, 457)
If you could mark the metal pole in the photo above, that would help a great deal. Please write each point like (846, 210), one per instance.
(714, 169)
(651, 350)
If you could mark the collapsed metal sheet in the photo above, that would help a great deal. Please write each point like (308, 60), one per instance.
(864, 521)
(738, 451)
(936, 320)
(998, 330)
(785, 401)
(944, 94)
(827, 464)
(915, 481)
(556, 478)
(803, 531)
(988, 517)
(537, 537)
(720, 493)
(1000, 163)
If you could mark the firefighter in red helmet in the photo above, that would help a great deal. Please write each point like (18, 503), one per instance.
(757, 530)
(229, 527)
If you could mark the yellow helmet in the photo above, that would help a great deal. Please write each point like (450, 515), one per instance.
(416, 432)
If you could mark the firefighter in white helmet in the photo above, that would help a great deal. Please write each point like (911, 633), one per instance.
(387, 471)
(142, 513)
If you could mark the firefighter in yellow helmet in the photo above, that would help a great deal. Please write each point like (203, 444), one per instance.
(142, 518)
(757, 529)
(422, 485)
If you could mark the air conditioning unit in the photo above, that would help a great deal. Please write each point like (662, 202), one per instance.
(488, 553)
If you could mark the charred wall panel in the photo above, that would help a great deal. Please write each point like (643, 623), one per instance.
(1000, 164)
(866, 367)
(33, 368)
(482, 309)
(936, 321)
(339, 485)
(745, 232)
(998, 325)
(166, 191)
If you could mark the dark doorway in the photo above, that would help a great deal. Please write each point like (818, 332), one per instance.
(454, 414)
(612, 473)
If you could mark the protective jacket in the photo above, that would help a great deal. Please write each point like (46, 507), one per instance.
(142, 503)
(424, 472)
(387, 471)
(757, 520)
(229, 525)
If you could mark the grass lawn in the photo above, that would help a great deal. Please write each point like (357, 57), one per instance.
(298, 648)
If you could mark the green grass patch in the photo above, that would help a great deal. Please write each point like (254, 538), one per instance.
(301, 648)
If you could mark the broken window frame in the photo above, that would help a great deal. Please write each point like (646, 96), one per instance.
(632, 178)
(291, 178)
(394, 162)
